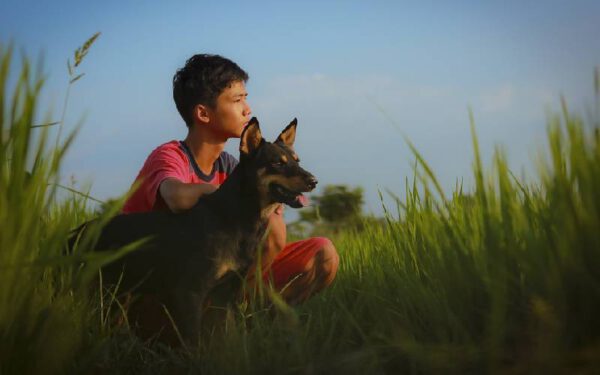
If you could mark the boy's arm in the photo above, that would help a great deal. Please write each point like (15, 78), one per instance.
(275, 241)
(180, 196)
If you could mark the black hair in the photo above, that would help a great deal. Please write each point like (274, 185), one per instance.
(201, 81)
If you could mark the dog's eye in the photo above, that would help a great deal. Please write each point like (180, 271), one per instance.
(278, 163)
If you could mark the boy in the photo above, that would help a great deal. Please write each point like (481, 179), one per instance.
(210, 95)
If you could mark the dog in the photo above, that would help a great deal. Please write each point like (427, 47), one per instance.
(188, 254)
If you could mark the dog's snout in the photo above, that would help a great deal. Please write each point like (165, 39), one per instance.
(312, 181)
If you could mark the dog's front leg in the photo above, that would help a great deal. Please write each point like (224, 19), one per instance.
(187, 314)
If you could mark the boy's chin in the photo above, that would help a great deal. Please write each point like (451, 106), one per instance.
(239, 133)
(233, 133)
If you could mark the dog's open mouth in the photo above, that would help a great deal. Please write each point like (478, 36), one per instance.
(291, 198)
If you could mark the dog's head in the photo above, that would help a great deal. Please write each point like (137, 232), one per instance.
(275, 166)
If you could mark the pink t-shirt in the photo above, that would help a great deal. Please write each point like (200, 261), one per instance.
(173, 160)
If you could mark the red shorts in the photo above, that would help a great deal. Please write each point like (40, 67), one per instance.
(293, 260)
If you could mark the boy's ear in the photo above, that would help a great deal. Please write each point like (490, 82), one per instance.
(201, 113)
(288, 135)
(251, 137)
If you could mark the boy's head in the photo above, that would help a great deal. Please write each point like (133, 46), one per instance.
(203, 78)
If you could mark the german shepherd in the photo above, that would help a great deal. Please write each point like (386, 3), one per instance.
(188, 254)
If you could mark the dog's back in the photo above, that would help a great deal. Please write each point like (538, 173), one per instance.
(180, 250)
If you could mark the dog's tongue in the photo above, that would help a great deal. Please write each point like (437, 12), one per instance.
(302, 199)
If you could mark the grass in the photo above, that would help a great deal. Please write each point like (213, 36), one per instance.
(500, 279)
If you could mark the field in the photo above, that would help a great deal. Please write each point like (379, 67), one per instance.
(503, 278)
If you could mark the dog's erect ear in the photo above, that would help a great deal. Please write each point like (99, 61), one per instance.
(251, 137)
(288, 135)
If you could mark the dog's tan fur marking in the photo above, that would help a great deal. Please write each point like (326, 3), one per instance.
(284, 158)
(225, 266)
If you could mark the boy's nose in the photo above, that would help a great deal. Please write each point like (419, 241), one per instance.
(247, 110)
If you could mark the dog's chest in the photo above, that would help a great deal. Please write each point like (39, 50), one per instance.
(229, 255)
(224, 266)
(229, 244)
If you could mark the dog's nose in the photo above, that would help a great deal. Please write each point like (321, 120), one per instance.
(312, 182)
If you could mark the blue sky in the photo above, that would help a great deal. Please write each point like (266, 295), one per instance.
(343, 68)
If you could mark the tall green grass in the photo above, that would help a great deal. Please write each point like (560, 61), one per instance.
(46, 315)
(499, 278)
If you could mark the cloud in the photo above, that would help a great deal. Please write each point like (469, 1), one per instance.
(318, 86)
(509, 97)
(498, 99)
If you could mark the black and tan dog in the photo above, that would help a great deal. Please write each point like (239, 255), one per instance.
(189, 253)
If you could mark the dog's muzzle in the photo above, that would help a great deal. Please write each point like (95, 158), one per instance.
(294, 199)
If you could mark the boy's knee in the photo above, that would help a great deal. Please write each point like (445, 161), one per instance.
(326, 262)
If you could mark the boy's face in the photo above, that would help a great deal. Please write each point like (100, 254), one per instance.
(231, 112)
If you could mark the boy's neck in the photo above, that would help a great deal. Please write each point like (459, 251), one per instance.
(205, 147)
